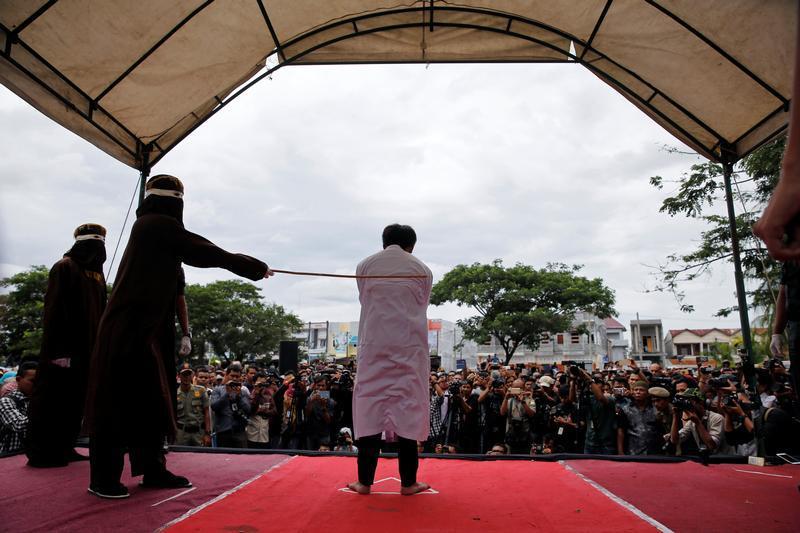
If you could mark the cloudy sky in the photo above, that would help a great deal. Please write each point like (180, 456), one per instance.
(526, 163)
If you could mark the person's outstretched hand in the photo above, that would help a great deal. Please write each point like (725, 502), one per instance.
(269, 273)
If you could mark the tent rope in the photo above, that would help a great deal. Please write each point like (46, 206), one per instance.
(122, 232)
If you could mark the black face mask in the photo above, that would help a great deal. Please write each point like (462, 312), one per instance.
(162, 205)
(90, 254)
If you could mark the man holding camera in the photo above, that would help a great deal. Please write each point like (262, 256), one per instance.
(491, 424)
(319, 415)
(231, 406)
(601, 428)
(517, 407)
(704, 427)
(391, 393)
(262, 409)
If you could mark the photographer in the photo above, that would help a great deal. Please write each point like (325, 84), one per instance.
(342, 395)
(544, 402)
(491, 424)
(739, 427)
(704, 428)
(262, 407)
(293, 394)
(459, 431)
(517, 407)
(601, 428)
(344, 441)
(565, 424)
(319, 414)
(231, 406)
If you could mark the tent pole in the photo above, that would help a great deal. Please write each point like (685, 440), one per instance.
(728, 159)
(144, 174)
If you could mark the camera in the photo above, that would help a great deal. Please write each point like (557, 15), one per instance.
(498, 383)
(574, 369)
(345, 381)
(237, 413)
(454, 388)
(730, 401)
(682, 403)
(722, 381)
(659, 381)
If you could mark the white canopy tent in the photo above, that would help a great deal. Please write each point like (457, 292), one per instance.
(136, 77)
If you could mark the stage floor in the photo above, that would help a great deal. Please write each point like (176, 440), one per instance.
(258, 492)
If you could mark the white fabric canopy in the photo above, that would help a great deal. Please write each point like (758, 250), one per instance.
(135, 77)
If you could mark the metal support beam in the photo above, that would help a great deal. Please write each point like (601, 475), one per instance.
(728, 160)
(144, 173)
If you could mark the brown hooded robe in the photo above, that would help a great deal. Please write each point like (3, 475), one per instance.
(74, 301)
(130, 396)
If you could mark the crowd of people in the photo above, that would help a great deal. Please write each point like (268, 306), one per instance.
(495, 409)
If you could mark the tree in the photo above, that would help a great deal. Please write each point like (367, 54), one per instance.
(21, 314)
(518, 305)
(231, 318)
(702, 188)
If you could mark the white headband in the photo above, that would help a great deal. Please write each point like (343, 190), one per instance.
(94, 236)
(163, 192)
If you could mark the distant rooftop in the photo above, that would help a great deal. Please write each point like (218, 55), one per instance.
(611, 323)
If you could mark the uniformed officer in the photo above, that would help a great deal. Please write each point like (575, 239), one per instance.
(192, 420)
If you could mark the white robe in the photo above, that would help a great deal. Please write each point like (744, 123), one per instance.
(391, 392)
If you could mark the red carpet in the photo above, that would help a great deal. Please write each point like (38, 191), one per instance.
(304, 494)
(692, 497)
(274, 493)
(56, 499)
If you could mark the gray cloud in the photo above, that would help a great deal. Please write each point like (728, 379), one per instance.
(529, 163)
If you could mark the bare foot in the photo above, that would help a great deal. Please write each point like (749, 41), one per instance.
(414, 489)
(359, 487)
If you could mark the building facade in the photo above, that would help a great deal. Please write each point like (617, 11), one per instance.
(593, 348)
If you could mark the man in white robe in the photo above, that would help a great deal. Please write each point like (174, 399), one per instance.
(391, 389)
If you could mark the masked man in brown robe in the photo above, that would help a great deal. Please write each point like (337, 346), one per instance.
(129, 404)
(74, 301)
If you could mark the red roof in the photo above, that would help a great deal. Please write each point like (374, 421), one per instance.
(612, 323)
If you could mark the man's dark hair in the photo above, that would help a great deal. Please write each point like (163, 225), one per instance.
(233, 367)
(25, 366)
(403, 236)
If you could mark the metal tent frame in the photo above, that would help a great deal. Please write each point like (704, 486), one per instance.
(430, 17)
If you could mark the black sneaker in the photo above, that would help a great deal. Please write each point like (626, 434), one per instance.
(166, 480)
(114, 493)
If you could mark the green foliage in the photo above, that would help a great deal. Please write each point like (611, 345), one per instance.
(518, 305)
(703, 187)
(21, 312)
(230, 319)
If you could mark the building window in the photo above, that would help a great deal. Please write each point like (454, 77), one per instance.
(560, 339)
(575, 338)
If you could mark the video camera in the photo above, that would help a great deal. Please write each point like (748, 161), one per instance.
(345, 380)
(455, 388)
(682, 403)
(660, 381)
(722, 381)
